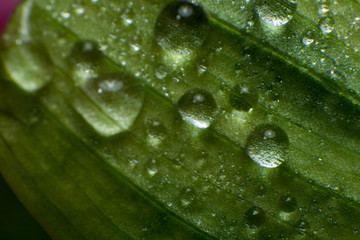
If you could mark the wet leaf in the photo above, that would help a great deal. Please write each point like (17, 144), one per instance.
(184, 120)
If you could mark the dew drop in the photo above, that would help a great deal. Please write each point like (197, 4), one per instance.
(187, 197)
(29, 66)
(118, 96)
(85, 60)
(151, 168)
(181, 27)
(197, 107)
(326, 24)
(242, 98)
(308, 37)
(288, 203)
(255, 216)
(275, 13)
(156, 132)
(267, 145)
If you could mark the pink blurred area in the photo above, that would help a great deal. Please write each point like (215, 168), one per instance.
(6, 8)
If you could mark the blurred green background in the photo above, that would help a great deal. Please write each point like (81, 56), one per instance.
(15, 221)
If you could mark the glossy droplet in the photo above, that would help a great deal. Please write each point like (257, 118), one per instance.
(308, 37)
(187, 197)
(156, 132)
(118, 96)
(181, 27)
(29, 65)
(151, 168)
(242, 98)
(255, 216)
(267, 145)
(327, 24)
(85, 60)
(275, 13)
(288, 203)
(197, 107)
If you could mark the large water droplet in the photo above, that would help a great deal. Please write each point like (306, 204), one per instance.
(255, 216)
(267, 145)
(118, 96)
(29, 65)
(85, 59)
(288, 203)
(242, 98)
(326, 24)
(197, 107)
(181, 27)
(275, 13)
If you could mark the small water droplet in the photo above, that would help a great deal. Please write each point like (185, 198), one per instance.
(65, 15)
(151, 168)
(267, 145)
(197, 107)
(156, 132)
(181, 27)
(242, 97)
(308, 37)
(275, 13)
(187, 197)
(161, 72)
(255, 216)
(326, 24)
(288, 203)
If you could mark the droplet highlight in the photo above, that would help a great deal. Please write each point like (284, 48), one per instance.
(120, 99)
(327, 24)
(85, 60)
(255, 216)
(275, 13)
(267, 145)
(197, 107)
(288, 203)
(181, 27)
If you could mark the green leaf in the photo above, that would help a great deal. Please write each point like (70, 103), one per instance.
(177, 120)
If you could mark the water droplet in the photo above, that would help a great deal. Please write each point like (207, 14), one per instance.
(85, 59)
(326, 24)
(242, 98)
(187, 197)
(275, 13)
(161, 72)
(267, 145)
(197, 107)
(302, 225)
(118, 96)
(29, 66)
(151, 168)
(156, 132)
(288, 203)
(255, 216)
(65, 15)
(308, 37)
(181, 27)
